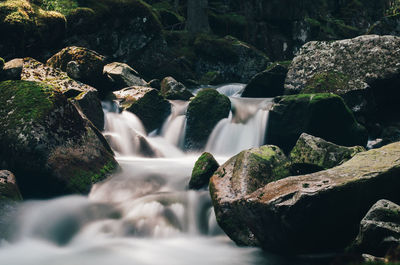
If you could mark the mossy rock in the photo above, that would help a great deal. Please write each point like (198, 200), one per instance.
(323, 115)
(202, 171)
(328, 82)
(146, 103)
(240, 176)
(47, 144)
(204, 112)
(28, 28)
(297, 214)
(82, 95)
(312, 154)
(89, 64)
(216, 49)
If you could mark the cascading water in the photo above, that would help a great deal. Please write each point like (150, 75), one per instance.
(143, 215)
(243, 129)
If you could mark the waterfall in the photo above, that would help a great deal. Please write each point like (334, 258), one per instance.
(144, 214)
(243, 129)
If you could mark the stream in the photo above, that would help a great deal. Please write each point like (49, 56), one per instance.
(144, 214)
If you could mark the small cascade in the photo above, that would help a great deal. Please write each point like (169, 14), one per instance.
(174, 127)
(243, 129)
(231, 90)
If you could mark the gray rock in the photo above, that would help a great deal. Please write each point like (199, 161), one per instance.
(12, 70)
(174, 90)
(121, 75)
(314, 213)
(348, 68)
(379, 229)
(312, 154)
(240, 176)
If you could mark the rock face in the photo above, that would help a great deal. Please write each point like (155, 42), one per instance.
(267, 84)
(204, 112)
(80, 64)
(322, 115)
(239, 176)
(121, 75)
(46, 143)
(303, 214)
(83, 96)
(203, 170)
(379, 229)
(235, 60)
(312, 154)
(353, 68)
(146, 103)
(174, 90)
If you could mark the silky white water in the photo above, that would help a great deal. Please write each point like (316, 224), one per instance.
(144, 214)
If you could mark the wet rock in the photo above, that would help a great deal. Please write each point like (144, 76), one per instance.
(174, 90)
(146, 103)
(121, 75)
(51, 149)
(203, 170)
(312, 154)
(269, 83)
(235, 60)
(204, 112)
(83, 96)
(357, 69)
(322, 115)
(12, 70)
(80, 64)
(240, 176)
(379, 229)
(298, 214)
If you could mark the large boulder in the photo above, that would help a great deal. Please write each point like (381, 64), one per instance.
(312, 154)
(174, 90)
(12, 70)
(240, 176)
(379, 229)
(203, 113)
(121, 75)
(25, 29)
(313, 213)
(322, 115)
(357, 69)
(146, 103)
(268, 83)
(202, 171)
(235, 60)
(80, 64)
(47, 144)
(83, 96)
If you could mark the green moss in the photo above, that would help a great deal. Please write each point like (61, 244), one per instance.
(203, 170)
(62, 6)
(329, 81)
(285, 64)
(81, 181)
(228, 24)
(28, 102)
(217, 49)
(203, 113)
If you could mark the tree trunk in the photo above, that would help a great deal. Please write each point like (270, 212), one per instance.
(197, 17)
